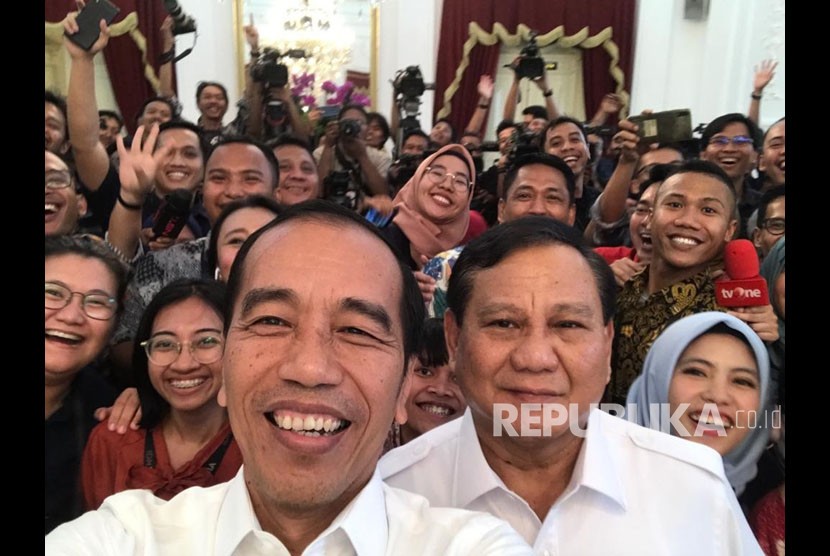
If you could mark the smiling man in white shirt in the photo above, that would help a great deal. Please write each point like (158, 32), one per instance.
(530, 322)
(322, 331)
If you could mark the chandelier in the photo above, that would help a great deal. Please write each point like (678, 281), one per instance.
(315, 27)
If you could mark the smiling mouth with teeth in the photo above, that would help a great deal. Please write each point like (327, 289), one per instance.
(439, 410)
(309, 425)
(63, 337)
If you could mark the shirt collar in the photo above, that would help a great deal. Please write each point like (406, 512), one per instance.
(473, 476)
(597, 466)
(364, 520)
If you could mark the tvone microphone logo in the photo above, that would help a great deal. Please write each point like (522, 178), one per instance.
(742, 293)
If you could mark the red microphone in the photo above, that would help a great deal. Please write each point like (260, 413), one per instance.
(743, 287)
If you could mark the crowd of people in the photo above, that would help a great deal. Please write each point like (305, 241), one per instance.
(359, 348)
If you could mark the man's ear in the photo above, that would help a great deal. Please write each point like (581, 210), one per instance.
(731, 228)
(83, 206)
(572, 214)
(406, 387)
(451, 332)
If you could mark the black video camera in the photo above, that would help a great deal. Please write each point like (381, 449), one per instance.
(182, 23)
(531, 64)
(268, 69)
(337, 186)
(349, 128)
(523, 142)
(409, 83)
(402, 170)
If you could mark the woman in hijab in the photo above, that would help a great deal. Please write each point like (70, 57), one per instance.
(772, 270)
(719, 366)
(433, 207)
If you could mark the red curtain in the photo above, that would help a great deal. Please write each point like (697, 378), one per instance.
(122, 56)
(541, 16)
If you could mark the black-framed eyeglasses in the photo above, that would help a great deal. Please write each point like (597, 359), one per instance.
(205, 348)
(773, 226)
(738, 140)
(56, 179)
(95, 305)
(438, 175)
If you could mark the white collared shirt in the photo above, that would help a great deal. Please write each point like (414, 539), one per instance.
(220, 520)
(633, 491)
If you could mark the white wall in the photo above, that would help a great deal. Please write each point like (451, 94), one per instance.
(706, 66)
(213, 58)
(409, 32)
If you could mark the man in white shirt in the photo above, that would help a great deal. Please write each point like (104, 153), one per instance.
(530, 322)
(321, 335)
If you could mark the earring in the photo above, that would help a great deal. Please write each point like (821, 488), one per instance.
(217, 275)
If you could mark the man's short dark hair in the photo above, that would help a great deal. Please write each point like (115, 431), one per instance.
(710, 169)
(768, 197)
(285, 139)
(201, 87)
(416, 131)
(204, 146)
(412, 307)
(719, 124)
(174, 113)
(499, 242)
(60, 103)
(269, 155)
(536, 111)
(556, 122)
(378, 118)
(347, 107)
(112, 114)
(541, 158)
(505, 124)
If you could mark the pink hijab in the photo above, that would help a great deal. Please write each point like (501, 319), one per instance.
(425, 236)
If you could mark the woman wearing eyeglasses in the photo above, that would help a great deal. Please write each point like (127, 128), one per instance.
(85, 282)
(433, 210)
(184, 437)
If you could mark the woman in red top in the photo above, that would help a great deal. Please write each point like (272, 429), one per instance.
(185, 438)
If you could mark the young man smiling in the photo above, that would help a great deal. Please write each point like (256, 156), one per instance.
(693, 218)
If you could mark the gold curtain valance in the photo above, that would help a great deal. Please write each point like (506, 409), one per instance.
(54, 42)
(581, 39)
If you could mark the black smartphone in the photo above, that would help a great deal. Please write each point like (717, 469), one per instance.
(89, 22)
(671, 126)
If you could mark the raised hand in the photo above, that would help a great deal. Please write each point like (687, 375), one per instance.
(485, 86)
(70, 25)
(628, 141)
(167, 39)
(138, 165)
(251, 34)
(763, 75)
(610, 104)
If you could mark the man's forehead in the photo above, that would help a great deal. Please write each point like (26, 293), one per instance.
(692, 183)
(565, 128)
(237, 156)
(543, 172)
